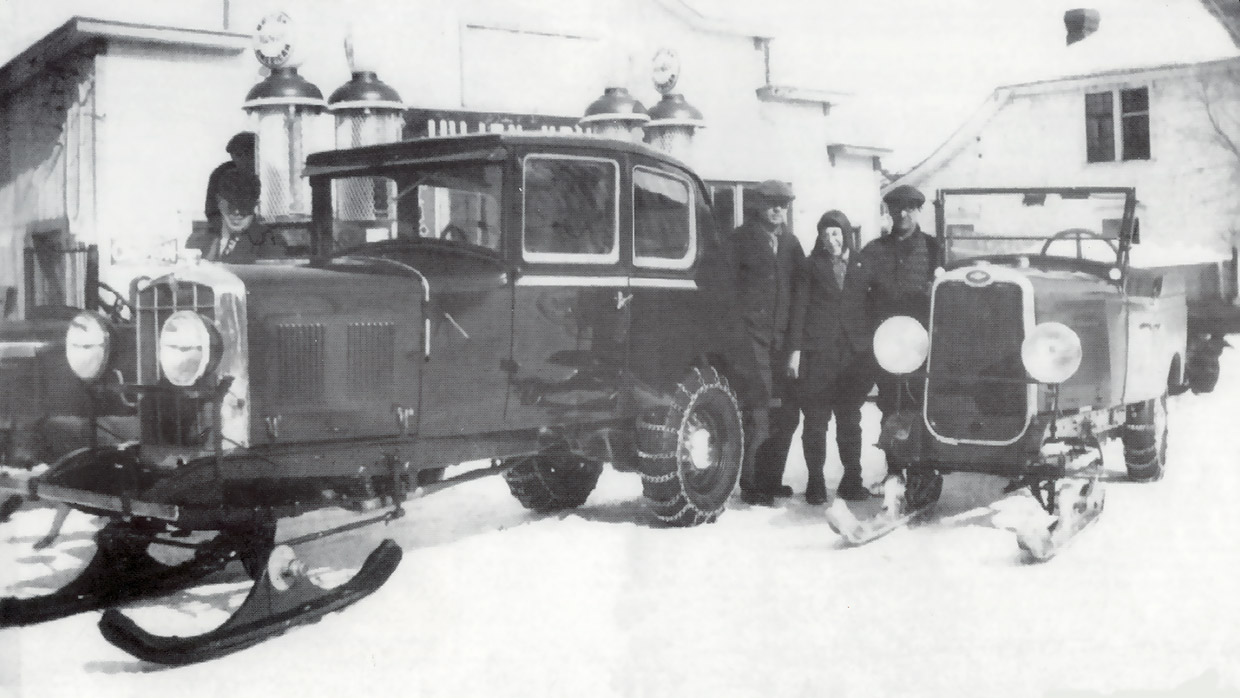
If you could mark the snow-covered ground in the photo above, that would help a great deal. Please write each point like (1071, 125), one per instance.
(493, 601)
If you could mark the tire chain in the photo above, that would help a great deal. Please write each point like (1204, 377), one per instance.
(659, 451)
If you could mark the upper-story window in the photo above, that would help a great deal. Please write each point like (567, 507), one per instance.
(1117, 121)
(662, 220)
(569, 210)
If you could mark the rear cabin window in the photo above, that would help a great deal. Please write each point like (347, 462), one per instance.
(662, 220)
(569, 210)
(453, 203)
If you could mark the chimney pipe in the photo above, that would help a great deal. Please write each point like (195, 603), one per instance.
(1080, 23)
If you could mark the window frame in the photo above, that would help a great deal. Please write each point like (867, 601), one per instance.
(690, 256)
(611, 257)
(1117, 119)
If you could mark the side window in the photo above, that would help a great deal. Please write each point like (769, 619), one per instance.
(662, 220)
(569, 210)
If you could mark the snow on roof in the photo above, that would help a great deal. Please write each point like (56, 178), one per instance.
(1137, 34)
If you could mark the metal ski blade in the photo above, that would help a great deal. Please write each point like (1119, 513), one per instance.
(119, 572)
(1086, 504)
(855, 532)
(280, 600)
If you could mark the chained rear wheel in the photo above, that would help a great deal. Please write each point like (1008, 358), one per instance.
(1145, 440)
(690, 452)
(553, 480)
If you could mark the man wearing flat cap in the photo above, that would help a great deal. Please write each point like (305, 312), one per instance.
(767, 258)
(242, 238)
(892, 276)
(240, 151)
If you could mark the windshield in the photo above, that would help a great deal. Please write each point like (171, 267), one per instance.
(1077, 224)
(458, 203)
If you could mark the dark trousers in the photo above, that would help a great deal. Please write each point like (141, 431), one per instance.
(844, 399)
(769, 427)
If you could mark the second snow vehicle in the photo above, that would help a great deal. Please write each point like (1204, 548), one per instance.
(538, 304)
(1043, 342)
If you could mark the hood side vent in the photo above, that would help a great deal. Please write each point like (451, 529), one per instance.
(299, 362)
(370, 358)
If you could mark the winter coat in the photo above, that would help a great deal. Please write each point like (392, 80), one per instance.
(817, 326)
(764, 281)
(889, 277)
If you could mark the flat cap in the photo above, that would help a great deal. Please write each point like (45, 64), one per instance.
(903, 197)
(774, 190)
(241, 143)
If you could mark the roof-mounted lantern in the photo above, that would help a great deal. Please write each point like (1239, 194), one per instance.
(368, 112)
(616, 114)
(283, 106)
(673, 121)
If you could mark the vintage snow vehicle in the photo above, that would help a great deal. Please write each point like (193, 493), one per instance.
(543, 304)
(1043, 342)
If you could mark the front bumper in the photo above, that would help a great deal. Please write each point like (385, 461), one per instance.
(34, 488)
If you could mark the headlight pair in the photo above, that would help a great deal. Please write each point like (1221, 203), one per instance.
(189, 347)
(1051, 353)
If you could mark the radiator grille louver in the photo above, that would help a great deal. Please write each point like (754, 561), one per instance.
(370, 358)
(976, 389)
(299, 367)
(169, 418)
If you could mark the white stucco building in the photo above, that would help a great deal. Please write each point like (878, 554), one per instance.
(1117, 110)
(112, 119)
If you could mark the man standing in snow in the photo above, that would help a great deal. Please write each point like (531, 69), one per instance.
(767, 257)
(892, 276)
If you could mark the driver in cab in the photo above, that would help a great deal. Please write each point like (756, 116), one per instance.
(242, 240)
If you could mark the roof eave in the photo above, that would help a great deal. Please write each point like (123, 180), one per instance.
(91, 34)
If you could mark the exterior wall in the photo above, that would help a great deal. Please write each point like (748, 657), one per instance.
(163, 113)
(47, 157)
(166, 116)
(1186, 189)
(853, 189)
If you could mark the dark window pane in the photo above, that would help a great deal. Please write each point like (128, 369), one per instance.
(1135, 100)
(1137, 137)
(1098, 104)
(1100, 139)
(570, 206)
(660, 216)
(724, 206)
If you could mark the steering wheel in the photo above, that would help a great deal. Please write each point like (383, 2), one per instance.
(119, 310)
(1077, 233)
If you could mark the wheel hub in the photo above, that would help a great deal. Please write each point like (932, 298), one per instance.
(700, 448)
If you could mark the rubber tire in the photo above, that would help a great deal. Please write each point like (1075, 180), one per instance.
(1145, 440)
(680, 494)
(553, 480)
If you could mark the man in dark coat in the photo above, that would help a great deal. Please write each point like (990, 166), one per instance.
(767, 257)
(240, 150)
(832, 378)
(892, 276)
(243, 239)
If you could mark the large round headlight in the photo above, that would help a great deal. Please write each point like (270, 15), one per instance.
(188, 348)
(901, 344)
(88, 345)
(1051, 353)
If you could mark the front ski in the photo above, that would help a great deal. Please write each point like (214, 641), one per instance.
(283, 598)
(119, 572)
(896, 513)
(855, 532)
(1076, 508)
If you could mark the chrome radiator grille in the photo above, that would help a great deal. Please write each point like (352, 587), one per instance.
(169, 417)
(977, 389)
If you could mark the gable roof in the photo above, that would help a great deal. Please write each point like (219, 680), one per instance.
(1227, 12)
